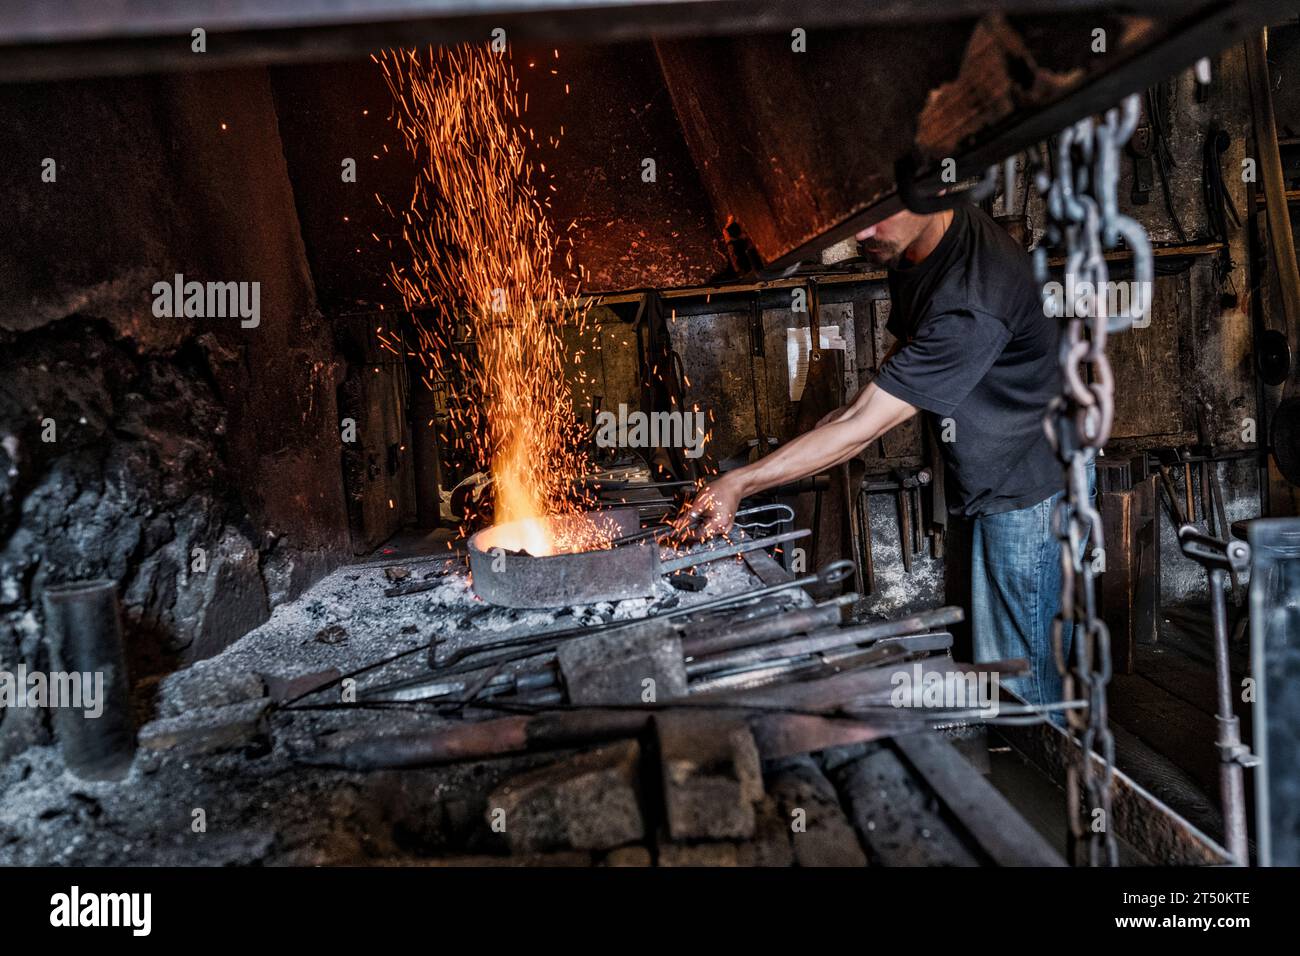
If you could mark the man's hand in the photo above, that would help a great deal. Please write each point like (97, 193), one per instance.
(846, 432)
(712, 510)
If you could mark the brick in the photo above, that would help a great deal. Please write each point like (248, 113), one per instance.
(587, 802)
(698, 854)
(612, 667)
(711, 776)
(628, 856)
(207, 684)
(771, 843)
(209, 729)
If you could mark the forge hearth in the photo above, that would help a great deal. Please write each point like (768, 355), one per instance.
(511, 578)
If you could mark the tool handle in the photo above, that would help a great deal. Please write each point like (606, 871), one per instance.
(715, 554)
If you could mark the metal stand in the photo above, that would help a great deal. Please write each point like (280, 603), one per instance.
(1220, 557)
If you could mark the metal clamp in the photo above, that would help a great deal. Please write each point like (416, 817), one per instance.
(1214, 553)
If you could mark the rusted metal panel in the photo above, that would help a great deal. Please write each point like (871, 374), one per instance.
(1130, 583)
(802, 148)
(1137, 817)
(788, 143)
(719, 376)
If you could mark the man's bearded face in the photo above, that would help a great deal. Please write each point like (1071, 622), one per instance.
(886, 241)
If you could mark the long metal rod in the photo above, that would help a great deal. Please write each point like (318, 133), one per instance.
(1231, 782)
(740, 547)
(826, 643)
(540, 643)
(876, 630)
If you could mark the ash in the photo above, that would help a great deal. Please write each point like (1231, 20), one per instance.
(252, 804)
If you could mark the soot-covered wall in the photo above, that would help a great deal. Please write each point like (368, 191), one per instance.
(195, 461)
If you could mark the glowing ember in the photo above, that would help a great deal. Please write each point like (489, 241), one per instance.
(483, 254)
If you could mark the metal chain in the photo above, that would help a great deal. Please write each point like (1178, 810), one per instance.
(1083, 220)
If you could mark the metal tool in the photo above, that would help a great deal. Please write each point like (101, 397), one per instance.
(738, 634)
(545, 641)
(786, 714)
(1218, 556)
(876, 630)
(510, 579)
(664, 527)
(768, 673)
(825, 644)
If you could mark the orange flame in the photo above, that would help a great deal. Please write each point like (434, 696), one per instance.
(482, 256)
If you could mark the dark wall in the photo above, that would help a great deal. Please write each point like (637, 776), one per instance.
(169, 434)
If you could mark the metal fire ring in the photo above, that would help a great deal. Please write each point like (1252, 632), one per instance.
(509, 579)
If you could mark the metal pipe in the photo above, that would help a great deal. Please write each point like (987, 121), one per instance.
(831, 643)
(798, 621)
(1231, 782)
(1217, 556)
(84, 634)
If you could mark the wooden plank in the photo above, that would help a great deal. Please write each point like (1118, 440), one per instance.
(991, 821)
(1143, 358)
(1168, 725)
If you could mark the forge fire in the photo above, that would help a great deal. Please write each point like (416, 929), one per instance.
(608, 434)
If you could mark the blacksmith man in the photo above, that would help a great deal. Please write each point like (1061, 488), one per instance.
(975, 347)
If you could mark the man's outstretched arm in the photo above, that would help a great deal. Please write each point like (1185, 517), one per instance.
(837, 438)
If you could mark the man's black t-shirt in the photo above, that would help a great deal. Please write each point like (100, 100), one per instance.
(978, 351)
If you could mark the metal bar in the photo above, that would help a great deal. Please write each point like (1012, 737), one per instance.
(1231, 780)
(764, 676)
(832, 573)
(1001, 832)
(798, 621)
(912, 624)
(717, 554)
(824, 642)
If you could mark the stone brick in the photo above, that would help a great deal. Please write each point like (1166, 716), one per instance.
(208, 730)
(611, 668)
(771, 843)
(628, 856)
(711, 776)
(721, 853)
(587, 802)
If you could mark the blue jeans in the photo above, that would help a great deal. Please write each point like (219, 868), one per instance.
(1016, 592)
